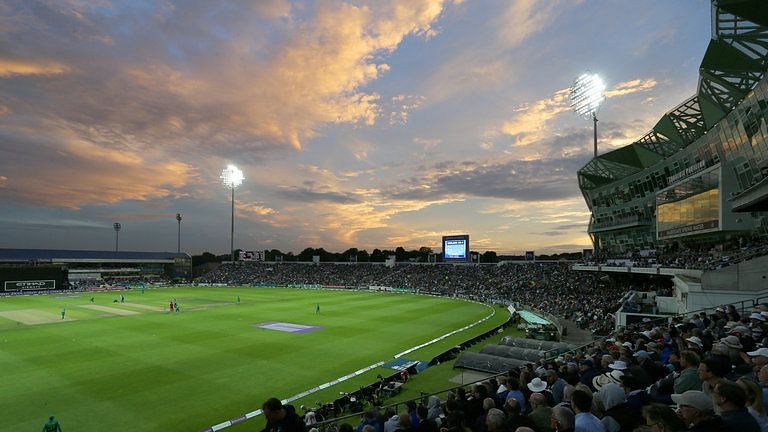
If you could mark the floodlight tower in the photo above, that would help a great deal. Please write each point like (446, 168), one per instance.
(586, 97)
(117, 227)
(178, 245)
(232, 177)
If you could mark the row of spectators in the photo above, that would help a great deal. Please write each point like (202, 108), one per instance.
(552, 287)
(694, 257)
(705, 374)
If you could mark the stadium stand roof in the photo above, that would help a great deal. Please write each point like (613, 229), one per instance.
(735, 60)
(26, 255)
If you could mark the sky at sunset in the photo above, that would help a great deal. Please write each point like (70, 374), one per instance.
(368, 124)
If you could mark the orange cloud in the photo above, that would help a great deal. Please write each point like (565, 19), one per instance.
(525, 17)
(531, 123)
(13, 67)
(83, 173)
(629, 87)
(534, 121)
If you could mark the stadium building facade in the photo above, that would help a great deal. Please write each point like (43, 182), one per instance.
(22, 269)
(701, 173)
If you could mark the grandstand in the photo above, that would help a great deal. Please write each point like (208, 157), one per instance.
(701, 174)
(89, 268)
(689, 200)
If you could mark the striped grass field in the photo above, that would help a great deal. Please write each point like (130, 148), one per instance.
(135, 366)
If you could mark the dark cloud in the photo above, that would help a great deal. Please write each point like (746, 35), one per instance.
(308, 195)
(535, 180)
(551, 233)
(580, 226)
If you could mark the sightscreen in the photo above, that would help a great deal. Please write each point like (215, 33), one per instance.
(456, 248)
(23, 278)
(690, 207)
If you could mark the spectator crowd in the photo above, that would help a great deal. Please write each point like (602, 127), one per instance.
(551, 287)
(708, 373)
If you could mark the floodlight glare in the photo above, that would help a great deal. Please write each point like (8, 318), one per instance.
(231, 176)
(587, 94)
(586, 97)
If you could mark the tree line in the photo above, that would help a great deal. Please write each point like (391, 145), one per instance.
(423, 254)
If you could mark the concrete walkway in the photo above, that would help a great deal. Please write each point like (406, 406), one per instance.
(575, 335)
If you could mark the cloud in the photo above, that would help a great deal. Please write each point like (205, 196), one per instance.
(467, 73)
(531, 124)
(629, 87)
(123, 92)
(401, 106)
(427, 142)
(3, 181)
(525, 180)
(11, 67)
(552, 233)
(304, 194)
(135, 216)
(200, 84)
(71, 171)
(525, 17)
(534, 122)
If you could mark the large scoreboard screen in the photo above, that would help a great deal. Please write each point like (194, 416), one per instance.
(689, 207)
(456, 248)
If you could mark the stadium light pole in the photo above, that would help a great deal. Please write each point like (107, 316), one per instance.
(178, 243)
(117, 227)
(586, 97)
(232, 177)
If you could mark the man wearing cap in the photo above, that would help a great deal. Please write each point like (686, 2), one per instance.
(759, 358)
(697, 410)
(654, 370)
(556, 385)
(695, 343)
(732, 400)
(537, 385)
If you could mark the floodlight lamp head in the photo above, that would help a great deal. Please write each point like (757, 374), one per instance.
(232, 177)
(587, 94)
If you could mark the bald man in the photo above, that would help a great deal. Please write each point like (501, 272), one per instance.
(541, 413)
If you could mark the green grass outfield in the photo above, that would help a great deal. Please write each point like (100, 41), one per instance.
(135, 366)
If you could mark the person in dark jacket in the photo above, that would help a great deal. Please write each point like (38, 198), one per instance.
(619, 416)
(732, 402)
(281, 418)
